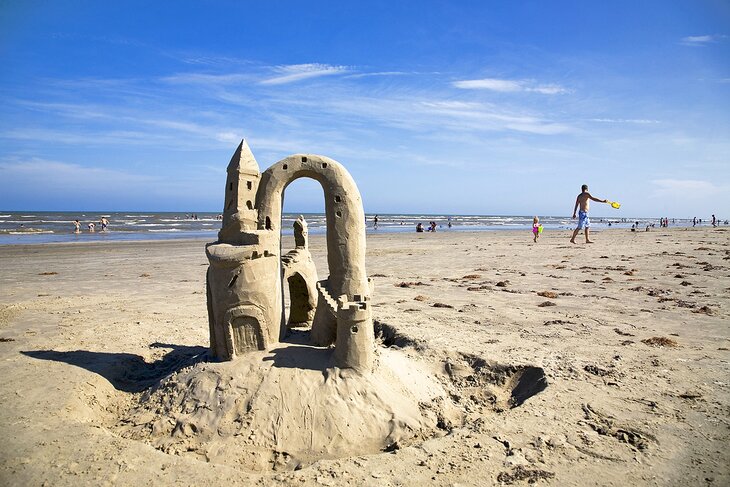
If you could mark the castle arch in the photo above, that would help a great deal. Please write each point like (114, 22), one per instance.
(344, 213)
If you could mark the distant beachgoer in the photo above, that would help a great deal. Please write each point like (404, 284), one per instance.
(449, 224)
(694, 221)
(375, 222)
(104, 223)
(432, 228)
(536, 228)
(714, 221)
(91, 227)
(647, 228)
(419, 227)
(633, 227)
(77, 225)
(583, 202)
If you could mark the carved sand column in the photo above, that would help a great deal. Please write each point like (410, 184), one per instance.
(300, 274)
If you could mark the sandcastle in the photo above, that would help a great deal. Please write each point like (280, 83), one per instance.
(247, 273)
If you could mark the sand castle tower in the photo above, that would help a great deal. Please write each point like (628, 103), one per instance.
(247, 272)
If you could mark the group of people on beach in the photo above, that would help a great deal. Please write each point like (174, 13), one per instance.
(103, 223)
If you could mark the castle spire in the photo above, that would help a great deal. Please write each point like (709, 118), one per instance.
(242, 182)
(243, 160)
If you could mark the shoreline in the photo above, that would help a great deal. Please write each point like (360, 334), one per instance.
(100, 239)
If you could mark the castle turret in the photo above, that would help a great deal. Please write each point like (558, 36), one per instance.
(242, 183)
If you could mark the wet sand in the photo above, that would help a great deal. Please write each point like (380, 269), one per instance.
(630, 333)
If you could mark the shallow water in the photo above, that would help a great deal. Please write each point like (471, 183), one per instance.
(47, 227)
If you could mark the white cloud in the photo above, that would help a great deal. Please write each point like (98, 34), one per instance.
(379, 73)
(701, 40)
(509, 86)
(207, 79)
(298, 72)
(493, 84)
(623, 120)
(57, 173)
(684, 188)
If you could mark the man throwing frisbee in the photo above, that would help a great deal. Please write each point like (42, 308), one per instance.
(583, 202)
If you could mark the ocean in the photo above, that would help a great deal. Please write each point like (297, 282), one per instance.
(28, 227)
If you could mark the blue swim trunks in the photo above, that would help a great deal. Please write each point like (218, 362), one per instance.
(583, 220)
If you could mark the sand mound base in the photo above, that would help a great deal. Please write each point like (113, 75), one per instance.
(288, 407)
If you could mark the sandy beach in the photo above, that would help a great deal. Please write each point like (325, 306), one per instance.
(560, 364)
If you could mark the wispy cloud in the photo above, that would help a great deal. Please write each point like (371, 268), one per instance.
(378, 73)
(684, 188)
(207, 79)
(701, 40)
(298, 72)
(63, 173)
(624, 120)
(509, 86)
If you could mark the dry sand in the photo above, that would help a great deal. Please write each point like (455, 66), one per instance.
(105, 379)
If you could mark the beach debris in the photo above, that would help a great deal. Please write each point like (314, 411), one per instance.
(545, 304)
(420, 297)
(595, 370)
(608, 426)
(472, 276)
(558, 322)
(548, 294)
(409, 284)
(483, 287)
(657, 292)
(520, 473)
(441, 305)
(51, 273)
(660, 342)
(145, 275)
(622, 333)
(705, 310)
(502, 284)
(690, 395)
(4, 339)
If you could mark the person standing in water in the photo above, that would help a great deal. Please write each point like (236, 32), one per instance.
(582, 202)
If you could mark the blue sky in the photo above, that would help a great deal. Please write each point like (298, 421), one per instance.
(445, 107)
